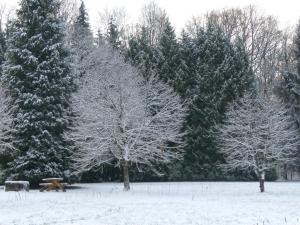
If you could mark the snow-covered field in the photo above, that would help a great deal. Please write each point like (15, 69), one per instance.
(202, 203)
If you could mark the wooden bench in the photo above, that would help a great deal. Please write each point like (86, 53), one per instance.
(53, 184)
(16, 186)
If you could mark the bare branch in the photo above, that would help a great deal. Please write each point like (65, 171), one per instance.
(258, 135)
(124, 118)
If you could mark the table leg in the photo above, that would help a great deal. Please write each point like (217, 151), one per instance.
(50, 187)
(61, 187)
(43, 188)
(58, 185)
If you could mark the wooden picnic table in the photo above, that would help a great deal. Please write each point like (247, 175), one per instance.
(52, 184)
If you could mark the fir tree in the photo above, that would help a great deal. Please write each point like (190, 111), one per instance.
(38, 76)
(219, 74)
(168, 55)
(141, 54)
(82, 19)
(185, 80)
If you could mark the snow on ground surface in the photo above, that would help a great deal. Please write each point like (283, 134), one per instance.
(203, 203)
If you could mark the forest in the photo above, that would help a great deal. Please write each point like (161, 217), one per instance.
(218, 101)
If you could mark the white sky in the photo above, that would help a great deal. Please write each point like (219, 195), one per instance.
(180, 11)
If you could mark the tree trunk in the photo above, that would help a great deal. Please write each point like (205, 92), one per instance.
(262, 182)
(126, 176)
(285, 172)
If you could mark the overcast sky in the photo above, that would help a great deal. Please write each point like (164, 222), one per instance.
(179, 11)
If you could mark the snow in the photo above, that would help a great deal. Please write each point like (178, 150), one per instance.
(17, 182)
(202, 203)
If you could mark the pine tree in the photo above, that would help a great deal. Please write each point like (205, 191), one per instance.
(219, 74)
(39, 78)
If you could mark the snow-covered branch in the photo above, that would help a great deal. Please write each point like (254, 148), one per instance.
(258, 134)
(123, 117)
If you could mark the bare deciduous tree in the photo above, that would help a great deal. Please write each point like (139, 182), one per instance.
(257, 135)
(118, 17)
(153, 19)
(287, 59)
(68, 11)
(2, 11)
(259, 35)
(124, 119)
(6, 15)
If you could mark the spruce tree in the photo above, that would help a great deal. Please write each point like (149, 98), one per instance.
(39, 79)
(219, 74)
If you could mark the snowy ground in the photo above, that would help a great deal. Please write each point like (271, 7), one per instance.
(202, 203)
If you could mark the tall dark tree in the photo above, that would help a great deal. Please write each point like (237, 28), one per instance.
(39, 79)
(289, 87)
(83, 18)
(219, 73)
(168, 61)
(2, 47)
(141, 54)
(82, 37)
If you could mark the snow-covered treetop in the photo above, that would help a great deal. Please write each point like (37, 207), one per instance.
(124, 117)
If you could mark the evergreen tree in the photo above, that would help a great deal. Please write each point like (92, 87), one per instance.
(297, 50)
(168, 55)
(82, 19)
(185, 80)
(82, 37)
(219, 73)
(289, 88)
(209, 72)
(141, 54)
(295, 79)
(39, 78)
(113, 34)
(2, 47)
